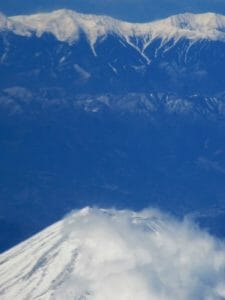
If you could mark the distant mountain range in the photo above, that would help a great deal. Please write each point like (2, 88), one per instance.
(86, 53)
(67, 26)
(95, 111)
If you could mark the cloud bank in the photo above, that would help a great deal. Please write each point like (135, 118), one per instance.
(107, 254)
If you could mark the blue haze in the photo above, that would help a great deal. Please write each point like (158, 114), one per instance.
(133, 10)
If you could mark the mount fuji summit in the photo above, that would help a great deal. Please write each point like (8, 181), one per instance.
(108, 254)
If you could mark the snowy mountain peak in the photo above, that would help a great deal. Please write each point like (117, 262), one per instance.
(66, 25)
(93, 251)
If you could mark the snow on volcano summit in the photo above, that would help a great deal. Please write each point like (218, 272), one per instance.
(108, 254)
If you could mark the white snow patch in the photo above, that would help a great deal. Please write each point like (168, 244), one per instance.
(83, 73)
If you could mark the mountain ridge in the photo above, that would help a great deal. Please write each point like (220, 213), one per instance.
(88, 53)
(66, 25)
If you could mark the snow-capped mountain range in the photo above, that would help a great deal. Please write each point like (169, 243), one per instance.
(67, 25)
(97, 53)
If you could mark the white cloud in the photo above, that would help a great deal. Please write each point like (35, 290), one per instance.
(117, 255)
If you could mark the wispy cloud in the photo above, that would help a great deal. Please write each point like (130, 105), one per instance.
(145, 256)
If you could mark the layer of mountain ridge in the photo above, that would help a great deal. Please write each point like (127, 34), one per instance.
(66, 25)
(60, 99)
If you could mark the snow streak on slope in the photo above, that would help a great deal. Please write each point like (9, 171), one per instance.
(67, 25)
(108, 254)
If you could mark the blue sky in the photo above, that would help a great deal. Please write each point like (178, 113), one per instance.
(133, 10)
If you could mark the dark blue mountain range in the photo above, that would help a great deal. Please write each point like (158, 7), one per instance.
(110, 127)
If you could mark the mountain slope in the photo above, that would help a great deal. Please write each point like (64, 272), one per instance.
(108, 254)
